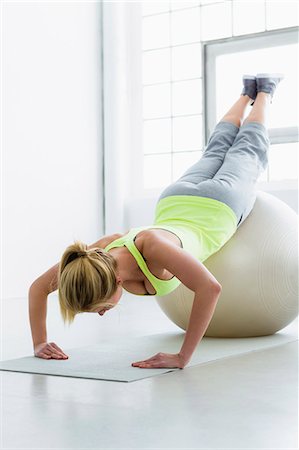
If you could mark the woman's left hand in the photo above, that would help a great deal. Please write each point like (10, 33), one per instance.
(161, 360)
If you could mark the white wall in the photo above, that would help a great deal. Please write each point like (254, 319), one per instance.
(51, 138)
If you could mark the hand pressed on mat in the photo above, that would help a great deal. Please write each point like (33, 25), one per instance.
(162, 360)
(49, 350)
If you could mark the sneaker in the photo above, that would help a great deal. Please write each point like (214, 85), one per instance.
(268, 82)
(249, 87)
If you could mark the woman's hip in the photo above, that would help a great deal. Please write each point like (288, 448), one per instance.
(240, 200)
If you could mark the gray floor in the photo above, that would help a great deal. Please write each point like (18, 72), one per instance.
(248, 402)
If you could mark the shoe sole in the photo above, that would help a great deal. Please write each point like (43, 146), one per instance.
(248, 77)
(279, 76)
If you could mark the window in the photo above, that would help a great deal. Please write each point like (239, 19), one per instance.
(179, 108)
(227, 60)
(172, 90)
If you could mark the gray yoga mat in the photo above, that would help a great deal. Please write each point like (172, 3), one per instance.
(112, 361)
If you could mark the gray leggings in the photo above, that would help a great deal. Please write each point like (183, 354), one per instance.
(229, 168)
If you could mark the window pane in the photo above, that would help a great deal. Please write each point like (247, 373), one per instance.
(156, 101)
(283, 162)
(156, 66)
(185, 26)
(207, 2)
(157, 171)
(186, 62)
(187, 133)
(157, 136)
(284, 110)
(245, 17)
(216, 21)
(187, 97)
(154, 7)
(181, 5)
(182, 162)
(281, 14)
(155, 31)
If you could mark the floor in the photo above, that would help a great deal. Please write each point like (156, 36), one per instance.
(244, 402)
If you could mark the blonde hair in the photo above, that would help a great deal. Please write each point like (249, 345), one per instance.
(86, 279)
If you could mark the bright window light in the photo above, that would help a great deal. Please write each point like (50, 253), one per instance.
(185, 26)
(245, 17)
(182, 162)
(216, 21)
(182, 5)
(156, 66)
(150, 7)
(284, 110)
(187, 133)
(156, 136)
(282, 14)
(187, 97)
(283, 162)
(186, 62)
(155, 31)
(156, 171)
(156, 101)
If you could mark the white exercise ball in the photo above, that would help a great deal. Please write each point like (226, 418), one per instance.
(258, 271)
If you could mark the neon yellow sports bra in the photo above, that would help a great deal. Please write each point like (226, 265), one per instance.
(162, 287)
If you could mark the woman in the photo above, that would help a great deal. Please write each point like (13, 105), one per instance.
(195, 217)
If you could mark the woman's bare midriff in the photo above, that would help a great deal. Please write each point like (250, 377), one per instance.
(142, 285)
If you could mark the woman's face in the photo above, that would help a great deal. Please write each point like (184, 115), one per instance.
(114, 300)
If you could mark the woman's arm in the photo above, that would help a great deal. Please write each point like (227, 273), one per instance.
(38, 294)
(193, 274)
(204, 304)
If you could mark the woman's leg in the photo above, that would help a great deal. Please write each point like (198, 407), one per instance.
(252, 140)
(260, 109)
(246, 159)
(235, 157)
(236, 113)
(219, 143)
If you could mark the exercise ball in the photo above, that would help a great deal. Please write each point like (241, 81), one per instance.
(258, 271)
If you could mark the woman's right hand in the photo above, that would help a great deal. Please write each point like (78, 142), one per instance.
(50, 350)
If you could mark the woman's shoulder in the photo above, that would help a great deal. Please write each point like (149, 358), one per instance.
(104, 241)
